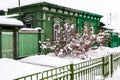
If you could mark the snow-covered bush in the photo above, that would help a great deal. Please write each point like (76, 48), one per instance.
(73, 44)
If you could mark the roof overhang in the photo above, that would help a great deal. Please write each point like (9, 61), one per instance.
(10, 23)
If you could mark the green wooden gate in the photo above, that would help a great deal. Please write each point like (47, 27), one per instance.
(7, 45)
(27, 44)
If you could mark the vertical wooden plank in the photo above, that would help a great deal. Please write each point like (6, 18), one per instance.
(28, 44)
(39, 39)
(15, 45)
(0, 42)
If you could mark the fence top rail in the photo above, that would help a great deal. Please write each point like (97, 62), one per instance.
(91, 60)
(87, 67)
(58, 67)
(116, 56)
(28, 31)
(47, 71)
(27, 76)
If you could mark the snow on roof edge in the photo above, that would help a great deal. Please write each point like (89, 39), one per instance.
(12, 15)
(10, 21)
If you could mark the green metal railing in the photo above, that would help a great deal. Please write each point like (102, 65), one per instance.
(116, 60)
(59, 73)
(81, 71)
(88, 70)
(105, 66)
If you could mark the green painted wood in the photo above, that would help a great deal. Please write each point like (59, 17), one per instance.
(15, 45)
(7, 44)
(119, 40)
(28, 44)
(114, 39)
(89, 22)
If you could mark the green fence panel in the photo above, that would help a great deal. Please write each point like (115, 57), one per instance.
(82, 71)
(116, 60)
(7, 44)
(106, 66)
(59, 73)
(28, 44)
(88, 70)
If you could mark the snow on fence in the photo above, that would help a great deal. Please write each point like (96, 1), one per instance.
(81, 71)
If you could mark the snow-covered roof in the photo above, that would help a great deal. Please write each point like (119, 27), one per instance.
(108, 27)
(10, 16)
(117, 31)
(10, 21)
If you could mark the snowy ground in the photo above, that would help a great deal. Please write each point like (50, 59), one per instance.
(11, 69)
(53, 61)
(115, 76)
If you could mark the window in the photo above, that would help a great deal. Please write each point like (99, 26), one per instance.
(28, 25)
(28, 21)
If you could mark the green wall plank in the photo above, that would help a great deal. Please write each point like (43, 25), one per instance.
(28, 44)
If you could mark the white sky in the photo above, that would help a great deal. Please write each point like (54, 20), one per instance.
(103, 7)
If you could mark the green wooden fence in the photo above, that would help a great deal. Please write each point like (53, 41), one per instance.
(81, 71)
(27, 44)
(7, 44)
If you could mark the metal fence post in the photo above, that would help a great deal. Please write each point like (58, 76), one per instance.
(72, 71)
(110, 65)
(103, 60)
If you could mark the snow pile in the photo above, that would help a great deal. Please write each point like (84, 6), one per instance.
(10, 21)
(99, 77)
(116, 75)
(116, 49)
(100, 52)
(49, 61)
(11, 69)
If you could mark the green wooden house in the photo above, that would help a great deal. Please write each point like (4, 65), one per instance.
(50, 17)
